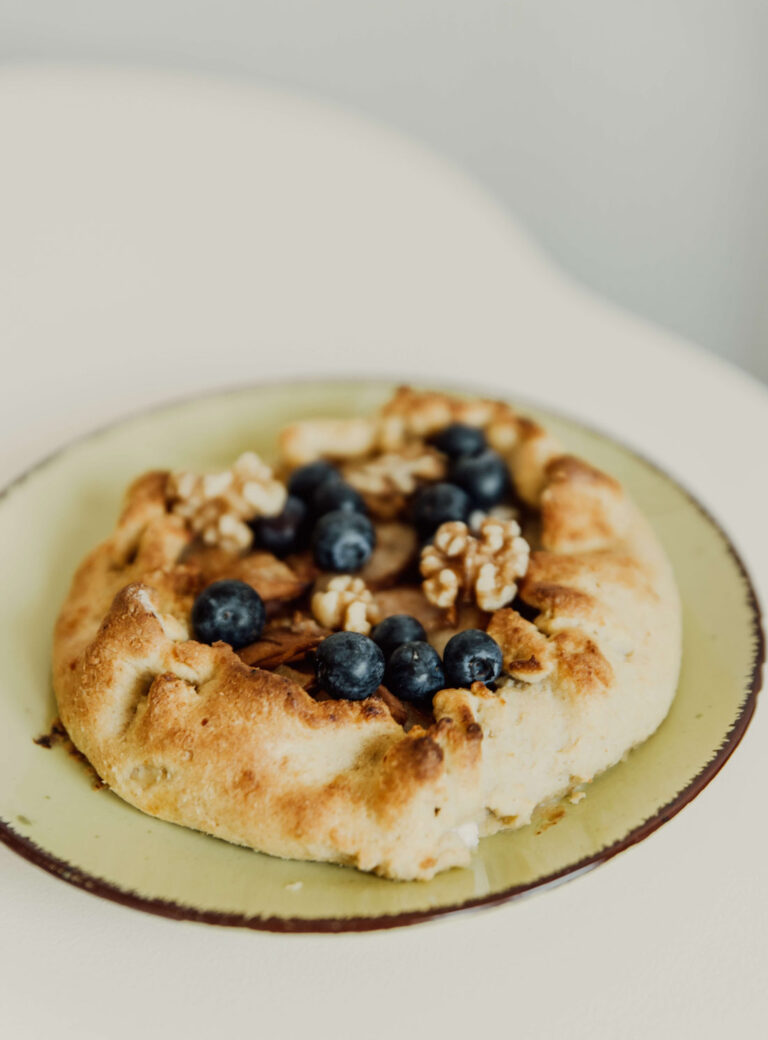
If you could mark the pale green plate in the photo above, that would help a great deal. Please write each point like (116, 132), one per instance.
(52, 815)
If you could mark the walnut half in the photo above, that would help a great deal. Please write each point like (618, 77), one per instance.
(396, 471)
(216, 505)
(485, 567)
(345, 602)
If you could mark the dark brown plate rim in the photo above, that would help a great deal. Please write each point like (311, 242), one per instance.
(32, 852)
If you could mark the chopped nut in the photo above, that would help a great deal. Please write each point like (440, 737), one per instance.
(442, 587)
(396, 472)
(503, 512)
(345, 602)
(216, 505)
(486, 566)
(387, 480)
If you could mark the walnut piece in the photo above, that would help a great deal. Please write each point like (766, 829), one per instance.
(217, 505)
(396, 471)
(485, 567)
(387, 480)
(345, 602)
(503, 512)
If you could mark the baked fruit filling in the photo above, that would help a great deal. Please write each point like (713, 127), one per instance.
(372, 573)
(411, 630)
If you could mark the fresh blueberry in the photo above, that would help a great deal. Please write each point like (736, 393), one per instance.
(230, 611)
(471, 656)
(305, 480)
(395, 630)
(436, 504)
(458, 440)
(349, 665)
(342, 541)
(282, 534)
(415, 673)
(484, 477)
(333, 494)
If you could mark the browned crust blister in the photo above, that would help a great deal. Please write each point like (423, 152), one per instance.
(225, 744)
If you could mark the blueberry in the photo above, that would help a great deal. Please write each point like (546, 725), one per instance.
(436, 504)
(458, 440)
(342, 541)
(349, 665)
(305, 480)
(484, 477)
(228, 610)
(395, 630)
(415, 673)
(283, 533)
(333, 494)
(472, 656)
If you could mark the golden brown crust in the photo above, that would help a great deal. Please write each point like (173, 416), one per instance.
(272, 579)
(208, 738)
(528, 654)
(581, 508)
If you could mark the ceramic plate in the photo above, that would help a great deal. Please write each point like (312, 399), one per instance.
(52, 814)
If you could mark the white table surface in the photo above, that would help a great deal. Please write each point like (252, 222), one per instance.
(162, 235)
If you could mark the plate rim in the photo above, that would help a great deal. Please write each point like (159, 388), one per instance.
(61, 869)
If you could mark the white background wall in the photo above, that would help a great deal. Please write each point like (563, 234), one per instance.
(630, 139)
